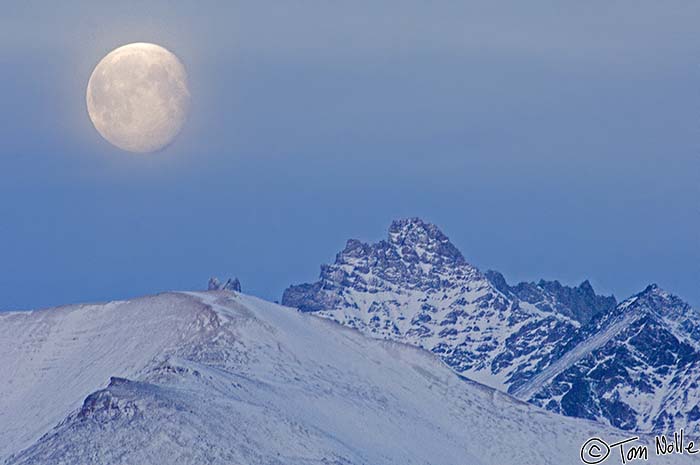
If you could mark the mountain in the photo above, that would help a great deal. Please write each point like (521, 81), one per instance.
(644, 377)
(219, 377)
(416, 287)
(632, 365)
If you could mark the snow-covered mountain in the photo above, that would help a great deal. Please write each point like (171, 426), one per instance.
(632, 365)
(219, 378)
(644, 376)
(417, 287)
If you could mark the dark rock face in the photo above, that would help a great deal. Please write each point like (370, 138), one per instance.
(214, 284)
(640, 378)
(108, 404)
(307, 298)
(565, 348)
(231, 284)
(580, 303)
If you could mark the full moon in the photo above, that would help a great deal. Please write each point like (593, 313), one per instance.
(137, 97)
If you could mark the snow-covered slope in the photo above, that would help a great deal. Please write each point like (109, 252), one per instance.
(52, 359)
(221, 378)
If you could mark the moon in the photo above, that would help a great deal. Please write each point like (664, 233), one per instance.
(138, 97)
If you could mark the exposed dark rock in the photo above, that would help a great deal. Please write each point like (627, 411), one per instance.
(231, 284)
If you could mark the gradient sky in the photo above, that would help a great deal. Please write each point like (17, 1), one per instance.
(554, 140)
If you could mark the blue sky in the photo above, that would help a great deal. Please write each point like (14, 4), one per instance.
(552, 140)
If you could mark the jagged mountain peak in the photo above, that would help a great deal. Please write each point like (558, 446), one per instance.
(653, 291)
(410, 241)
(416, 256)
(416, 235)
(579, 302)
(402, 228)
(657, 300)
(584, 287)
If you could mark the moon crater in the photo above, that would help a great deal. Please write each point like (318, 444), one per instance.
(138, 97)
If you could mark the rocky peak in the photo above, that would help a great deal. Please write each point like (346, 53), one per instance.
(652, 298)
(413, 236)
(415, 256)
(231, 284)
(656, 300)
(214, 284)
(582, 300)
(411, 242)
(654, 293)
(579, 302)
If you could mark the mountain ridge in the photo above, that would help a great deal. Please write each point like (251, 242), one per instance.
(417, 287)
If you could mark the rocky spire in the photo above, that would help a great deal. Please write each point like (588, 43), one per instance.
(231, 284)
